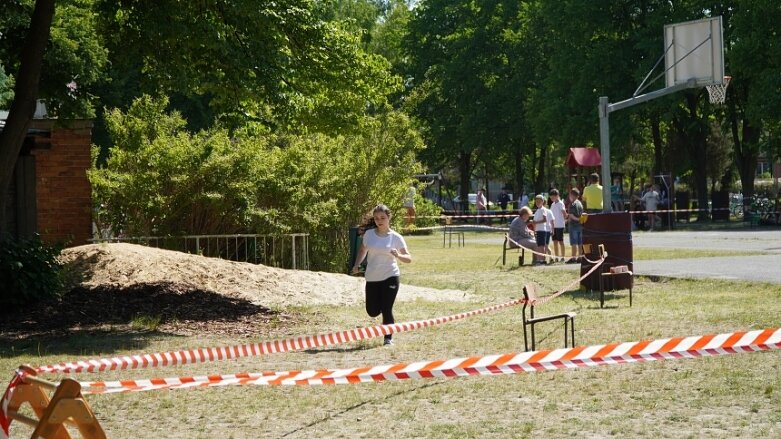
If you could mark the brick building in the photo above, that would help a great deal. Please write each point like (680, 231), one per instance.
(50, 193)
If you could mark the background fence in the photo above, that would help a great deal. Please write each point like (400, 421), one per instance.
(283, 251)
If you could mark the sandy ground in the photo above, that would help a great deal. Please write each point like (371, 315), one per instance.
(125, 265)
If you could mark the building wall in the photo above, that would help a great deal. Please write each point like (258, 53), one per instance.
(63, 192)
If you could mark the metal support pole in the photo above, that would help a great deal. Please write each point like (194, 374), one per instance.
(604, 146)
(605, 108)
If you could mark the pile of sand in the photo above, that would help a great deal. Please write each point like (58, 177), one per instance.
(125, 265)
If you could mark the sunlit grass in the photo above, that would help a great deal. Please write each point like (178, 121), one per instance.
(683, 398)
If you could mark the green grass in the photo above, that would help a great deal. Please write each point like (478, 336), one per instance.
(145, 322)
(646, 253)
(732, 396)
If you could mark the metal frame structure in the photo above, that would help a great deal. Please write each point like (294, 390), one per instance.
(703, 73)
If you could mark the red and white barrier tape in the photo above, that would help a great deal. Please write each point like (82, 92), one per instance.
(546, 255)
(202, 355)
(5, 421)
(509, 363)
(718, 209)
(514, 212)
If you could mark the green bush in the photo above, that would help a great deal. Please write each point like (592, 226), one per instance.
(161, 180)
(29, 272)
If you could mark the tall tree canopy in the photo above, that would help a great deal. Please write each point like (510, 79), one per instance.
(287, 65)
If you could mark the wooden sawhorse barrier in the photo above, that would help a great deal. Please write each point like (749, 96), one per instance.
(66, 406)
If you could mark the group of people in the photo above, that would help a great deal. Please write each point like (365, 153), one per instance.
(383, 248)
(536, 230)
(548, 224)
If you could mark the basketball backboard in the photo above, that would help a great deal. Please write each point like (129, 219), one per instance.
(694, 50)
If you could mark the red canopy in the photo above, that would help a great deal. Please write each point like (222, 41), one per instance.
(584, 157)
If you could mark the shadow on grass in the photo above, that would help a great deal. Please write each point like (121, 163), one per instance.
(130, 314)
(81, 343)
(619, 298)
(371, 401)
(358, 347)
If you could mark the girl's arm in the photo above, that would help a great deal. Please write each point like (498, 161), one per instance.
(359, 259)
(402, 255)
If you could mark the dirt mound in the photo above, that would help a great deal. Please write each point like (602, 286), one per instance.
(125, 265)
(127, 286)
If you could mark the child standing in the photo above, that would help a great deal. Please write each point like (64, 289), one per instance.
(575, 227)
(559, 212)
(542, 229)
(651, 200)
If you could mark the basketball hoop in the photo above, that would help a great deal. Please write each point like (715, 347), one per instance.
(718, 92)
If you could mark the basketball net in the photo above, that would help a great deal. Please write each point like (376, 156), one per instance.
(718, 92)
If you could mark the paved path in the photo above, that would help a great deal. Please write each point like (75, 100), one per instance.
(743, 240)
(758, 268)
(766, 268)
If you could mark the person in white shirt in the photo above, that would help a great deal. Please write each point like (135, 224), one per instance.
(542, 228)
(651, 200)
(559, 220)
(382, 248)
(481, 203)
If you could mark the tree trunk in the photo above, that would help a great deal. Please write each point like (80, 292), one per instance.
(465, 172)
(539, 183)
(518, 190)
(25, 94)
(697, 142)
(746, 142)
(656, 135)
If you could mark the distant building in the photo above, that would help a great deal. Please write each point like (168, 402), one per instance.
(50, 193)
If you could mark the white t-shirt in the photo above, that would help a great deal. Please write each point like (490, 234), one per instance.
(559, 214)
(544, 226)
(380, 263)
(481, 202)
(651, 199)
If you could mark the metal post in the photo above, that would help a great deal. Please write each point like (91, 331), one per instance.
(604, 146)
(293, 249)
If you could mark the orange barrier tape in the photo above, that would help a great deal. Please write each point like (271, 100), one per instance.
(5, 420)
(202, 355)
(553, 256)
(509, 363)
(514, 212)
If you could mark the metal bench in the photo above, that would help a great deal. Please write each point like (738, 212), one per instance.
(530, 294)
(507, 246)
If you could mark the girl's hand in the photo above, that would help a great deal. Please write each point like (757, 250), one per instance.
(394, 252)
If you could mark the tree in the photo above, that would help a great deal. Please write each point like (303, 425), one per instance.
(389, 35)
(468, 85)
(281, 64)
(25, 93)
(753, 101)
(6, 88)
